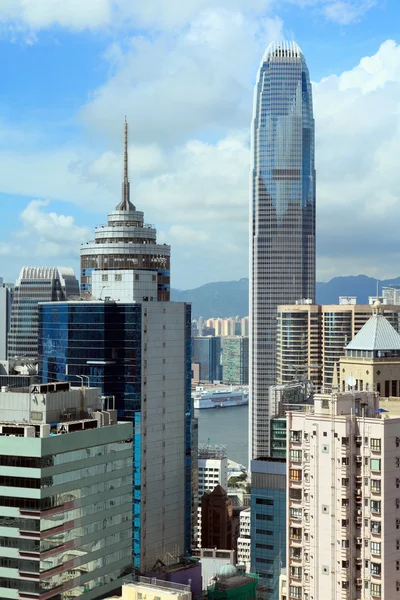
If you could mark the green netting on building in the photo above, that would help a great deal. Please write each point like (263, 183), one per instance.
(234, 588)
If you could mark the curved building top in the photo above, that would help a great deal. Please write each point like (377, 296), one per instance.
(126, 242)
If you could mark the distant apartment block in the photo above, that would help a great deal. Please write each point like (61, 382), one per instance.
(235, 360)
(343, 517)
(311, 338)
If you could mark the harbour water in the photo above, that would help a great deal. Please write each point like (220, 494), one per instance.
(226, 426)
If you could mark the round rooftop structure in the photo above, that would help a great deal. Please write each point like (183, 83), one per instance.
(226, 571)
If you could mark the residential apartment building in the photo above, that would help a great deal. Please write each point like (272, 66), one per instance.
(235, 360)
(343, 504)
(311, 338)
(66, 495)
(244, 541)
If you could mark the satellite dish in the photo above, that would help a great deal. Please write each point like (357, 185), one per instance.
(351, 381)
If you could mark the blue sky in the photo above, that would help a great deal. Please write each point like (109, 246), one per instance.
(183, 72)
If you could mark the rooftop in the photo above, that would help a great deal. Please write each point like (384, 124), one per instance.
(376, 335)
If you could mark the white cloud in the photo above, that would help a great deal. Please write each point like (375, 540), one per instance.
(50, 234)
(346, 12)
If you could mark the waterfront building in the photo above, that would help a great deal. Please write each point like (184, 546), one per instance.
(136, 346)
(34, 285)
(235, 360)
(6, 295)
(124, 261)
(206, 351)
(244, 541)
(282, 221)
(311, 339)
(66, 503)
(343, 502)
(268, 523)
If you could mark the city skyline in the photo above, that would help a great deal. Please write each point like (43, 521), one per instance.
(80, 71)
(282, 216)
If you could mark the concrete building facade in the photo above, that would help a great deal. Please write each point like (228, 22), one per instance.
(343, 517)
(65, 494)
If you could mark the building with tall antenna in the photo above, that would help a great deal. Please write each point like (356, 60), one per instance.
(129, 340)
(124, 260)
(34, 285)
(282, 222)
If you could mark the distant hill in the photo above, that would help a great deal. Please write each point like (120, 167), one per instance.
(231, 298)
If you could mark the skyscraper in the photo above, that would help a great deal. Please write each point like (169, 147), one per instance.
(34, 285)
(136, 346)
(282, 244)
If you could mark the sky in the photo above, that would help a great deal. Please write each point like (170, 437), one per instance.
(183, 73)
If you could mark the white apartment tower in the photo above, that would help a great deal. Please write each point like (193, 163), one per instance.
(244, 542)
(343, 517)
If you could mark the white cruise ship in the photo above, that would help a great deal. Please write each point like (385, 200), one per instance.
(204, 398)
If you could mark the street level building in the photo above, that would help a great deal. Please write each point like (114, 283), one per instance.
(66, 494)
(282, 219)
(34, 285)
(343, 502)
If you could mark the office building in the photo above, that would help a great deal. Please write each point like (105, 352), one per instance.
(66, 503)
(124, 261)
(244, 541)
(268, 523)
(136, 346)
(372, 359)
(235, 360)
(311, 339)
(34, 285)
(6, 295)
(282, 221)
(292, 396)
(153, 589)
(216, 520)
(206, 352)
(343, 518)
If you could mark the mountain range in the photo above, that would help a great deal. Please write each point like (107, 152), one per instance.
(231, 298)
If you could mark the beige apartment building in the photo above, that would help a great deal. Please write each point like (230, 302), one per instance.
(343, 504)
(311, 338)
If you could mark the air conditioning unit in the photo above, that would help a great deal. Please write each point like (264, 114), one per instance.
(359, 459)
(359, 540)
(29, 432)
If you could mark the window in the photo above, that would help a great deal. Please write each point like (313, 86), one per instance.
(264, 517)
(295, 592)
(265, 501)
(136, 277)
(295, 455)
(375, 464)
(345, 441)
(295, 533)
(376, 486)
(376, 506)
(376, 589)
(295, 475)
(295, 436)
(296, 513)
(104, 277)
(295, 572)
(375, 444)
(375, 526)
(345, 481)
(375, 548)
(345, 543)
(375, 568)
(118, 277)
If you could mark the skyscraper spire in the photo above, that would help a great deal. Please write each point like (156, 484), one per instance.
(125, 203)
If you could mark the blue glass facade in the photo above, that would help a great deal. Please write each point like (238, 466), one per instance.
(268, 524)
(283, 214)
(206, 351)
(100, 340)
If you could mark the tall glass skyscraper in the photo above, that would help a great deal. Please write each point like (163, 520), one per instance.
(282, 244)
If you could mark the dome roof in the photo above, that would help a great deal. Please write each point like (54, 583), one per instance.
(227, 570)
